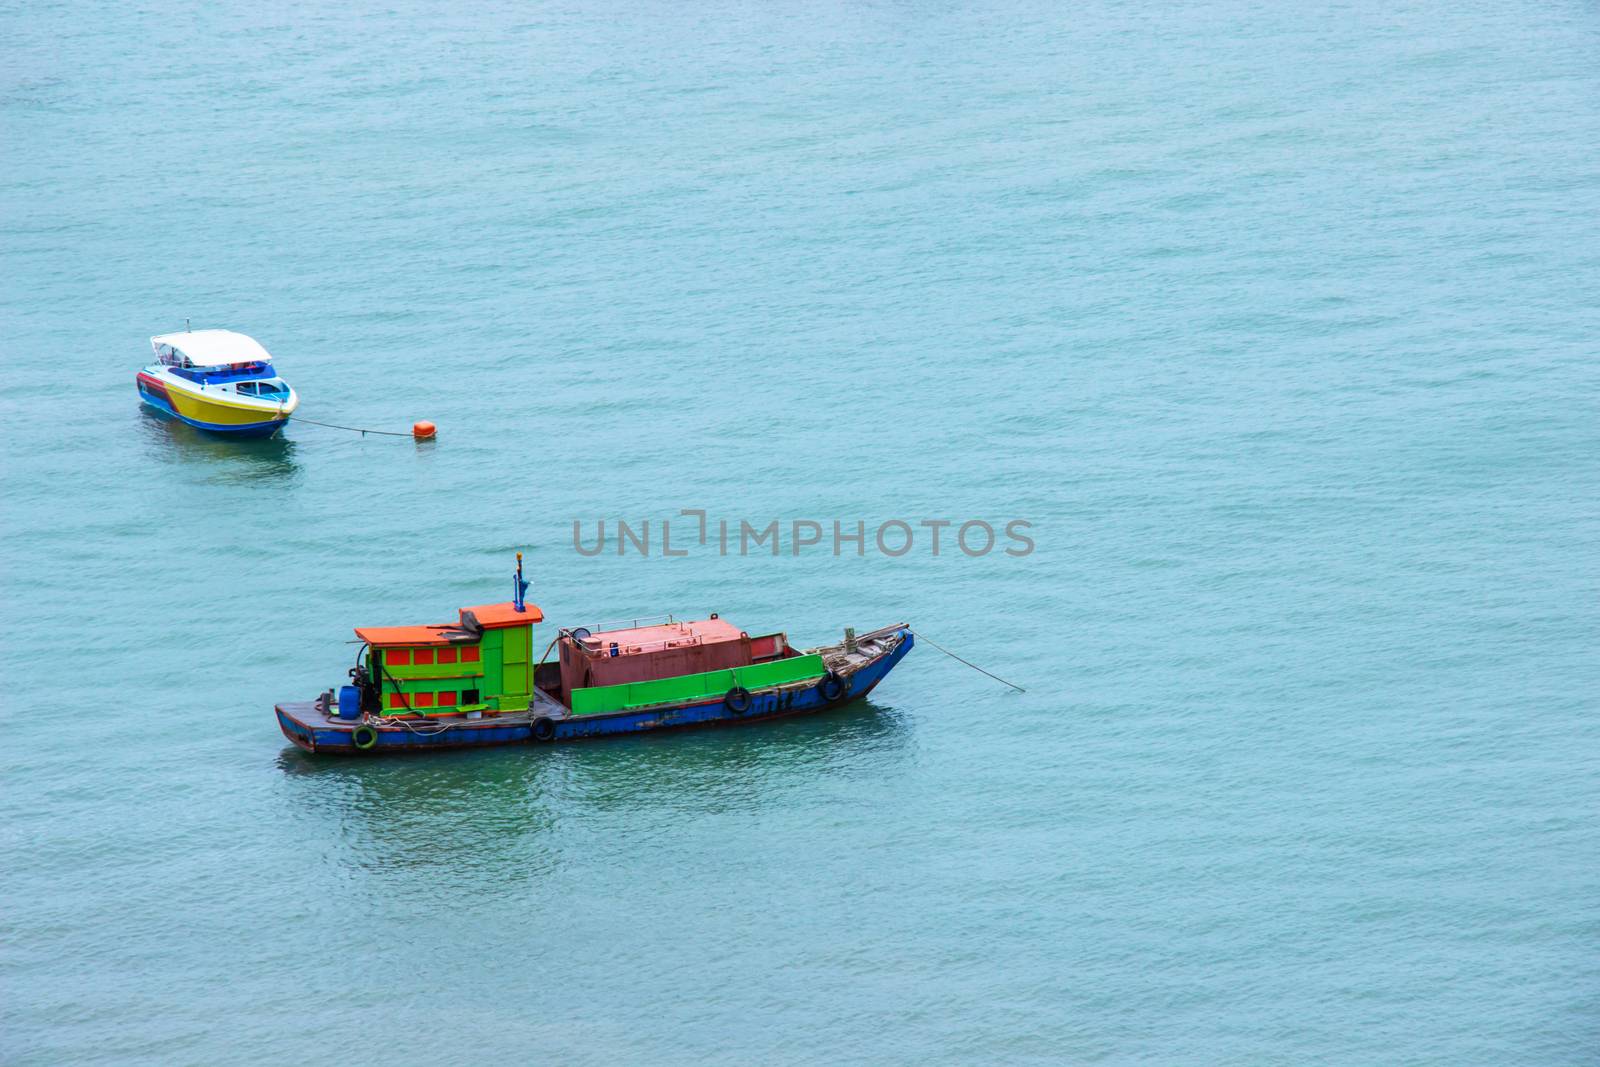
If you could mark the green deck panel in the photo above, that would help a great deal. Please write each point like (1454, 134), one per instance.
(597, 700)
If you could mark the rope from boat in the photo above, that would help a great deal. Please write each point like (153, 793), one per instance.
(382, 721)
(353, 429)
(974, 666)
(509, 718)
(512, 718)
(547, 649)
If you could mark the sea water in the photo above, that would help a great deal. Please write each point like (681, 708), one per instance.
(1276, 324)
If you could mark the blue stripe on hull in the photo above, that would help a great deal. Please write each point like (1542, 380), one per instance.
(254, 429)
(160, 403)
(769, 705)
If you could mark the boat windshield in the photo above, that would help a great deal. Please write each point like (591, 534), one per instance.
(272, 389)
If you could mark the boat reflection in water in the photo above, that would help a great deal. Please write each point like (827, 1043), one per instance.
(243, 460)
(517, 810)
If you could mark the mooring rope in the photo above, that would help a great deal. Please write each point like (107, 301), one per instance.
(974, 666)
(353, 429)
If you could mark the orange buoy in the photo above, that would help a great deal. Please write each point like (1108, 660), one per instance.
(423, 430)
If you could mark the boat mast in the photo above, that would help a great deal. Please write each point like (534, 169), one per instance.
(519, 588)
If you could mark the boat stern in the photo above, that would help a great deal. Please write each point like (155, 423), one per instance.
(299, 723)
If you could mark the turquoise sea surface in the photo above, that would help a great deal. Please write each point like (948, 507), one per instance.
(1278, 323)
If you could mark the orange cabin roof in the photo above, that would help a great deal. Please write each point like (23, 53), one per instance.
(494, 616)
(393, 636)
(489, 616)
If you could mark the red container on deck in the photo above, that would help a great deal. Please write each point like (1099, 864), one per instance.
(645, 653)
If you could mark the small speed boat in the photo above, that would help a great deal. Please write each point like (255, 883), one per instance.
(474, 682)
(217, 380)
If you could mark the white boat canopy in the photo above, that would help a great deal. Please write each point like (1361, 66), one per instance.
(211, 348)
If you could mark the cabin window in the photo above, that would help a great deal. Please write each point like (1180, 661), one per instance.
(396, 700)
(397, 657)
(446, 699)
(470, 654)
(422, 700)
(469, 696)
(422, 656)
(272, 389)
(447, 655)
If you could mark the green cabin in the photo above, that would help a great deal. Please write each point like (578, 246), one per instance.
(482, 662)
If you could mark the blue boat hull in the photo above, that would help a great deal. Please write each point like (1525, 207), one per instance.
(320, 733)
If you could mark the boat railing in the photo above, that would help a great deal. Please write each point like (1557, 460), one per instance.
(627, 624)
(594, 644)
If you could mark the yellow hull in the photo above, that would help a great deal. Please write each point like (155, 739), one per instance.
(216, 413)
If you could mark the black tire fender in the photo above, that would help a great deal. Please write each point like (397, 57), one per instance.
(544, 729)
(832, 686)
(738, 700)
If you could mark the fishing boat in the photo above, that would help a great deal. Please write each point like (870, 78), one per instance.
(473, 682)
(217, 380)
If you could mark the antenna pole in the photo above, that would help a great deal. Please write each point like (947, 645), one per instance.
(519, 588)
